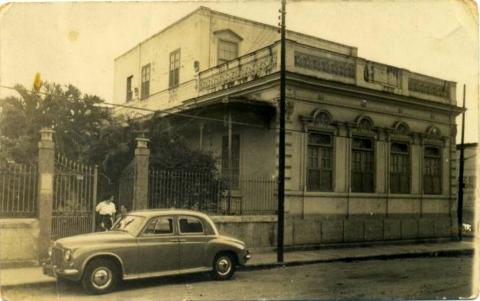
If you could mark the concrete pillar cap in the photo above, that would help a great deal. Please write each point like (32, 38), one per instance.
(46, 134)
(142, 142)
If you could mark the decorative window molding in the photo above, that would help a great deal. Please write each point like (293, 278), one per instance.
(400, 127)
(319, 119)
(433, 132)
(228, 34)
(364, 122)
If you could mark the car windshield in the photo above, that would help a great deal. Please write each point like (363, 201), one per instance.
(129, 223)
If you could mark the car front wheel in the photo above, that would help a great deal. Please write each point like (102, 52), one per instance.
(101, 276)
(223, 266)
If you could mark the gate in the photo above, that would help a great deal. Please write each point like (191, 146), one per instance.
(74, 198)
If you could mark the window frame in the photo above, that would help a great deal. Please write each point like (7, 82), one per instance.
(329, 147)
(145, 81)
(174, 69)
(222, 60)
(440, 169)
(408, 173)
(155, 218)
(372, 153)
(129, 96)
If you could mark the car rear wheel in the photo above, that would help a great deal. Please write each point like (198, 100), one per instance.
(101, 276)
(223, 266)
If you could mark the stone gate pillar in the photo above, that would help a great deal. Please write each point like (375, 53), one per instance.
(142, 161)
(46, 172)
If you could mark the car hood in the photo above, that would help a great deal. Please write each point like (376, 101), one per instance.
(92, 238)
(231, 239)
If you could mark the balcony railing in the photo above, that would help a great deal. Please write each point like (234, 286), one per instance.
(324, 64)
(244, 69)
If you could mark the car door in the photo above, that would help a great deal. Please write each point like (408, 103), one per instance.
(193, 241)
(158, 246)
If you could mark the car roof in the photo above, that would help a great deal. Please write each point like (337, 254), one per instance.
(153, 212)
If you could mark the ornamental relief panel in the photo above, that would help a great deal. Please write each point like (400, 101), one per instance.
(420, 86)
(327, 65)
(382, 74)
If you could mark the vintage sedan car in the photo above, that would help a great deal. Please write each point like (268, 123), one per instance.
(143, 244)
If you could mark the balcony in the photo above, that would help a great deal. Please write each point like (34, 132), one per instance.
(326, 65)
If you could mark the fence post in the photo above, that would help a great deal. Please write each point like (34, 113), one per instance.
(46, 172)
(140, 185)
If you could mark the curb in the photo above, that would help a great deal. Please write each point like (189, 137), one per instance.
(271, 265)
(441, 253)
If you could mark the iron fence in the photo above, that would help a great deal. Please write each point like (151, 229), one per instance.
(74, 197)
(18, 184)
(206, 192)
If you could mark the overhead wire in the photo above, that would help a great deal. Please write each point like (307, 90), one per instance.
(166, 112)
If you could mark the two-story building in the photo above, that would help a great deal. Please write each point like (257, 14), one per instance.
(370, 148)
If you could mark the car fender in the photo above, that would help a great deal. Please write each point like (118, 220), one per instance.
(93, 255)
(218, 245)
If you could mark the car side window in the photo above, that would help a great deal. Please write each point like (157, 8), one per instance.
(159, 225)
(190, 225)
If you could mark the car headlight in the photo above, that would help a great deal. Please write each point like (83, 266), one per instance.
(67, 255)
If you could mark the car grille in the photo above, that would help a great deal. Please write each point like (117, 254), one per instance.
(57, 256)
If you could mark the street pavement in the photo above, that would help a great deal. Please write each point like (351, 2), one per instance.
(27, 281)
(405, 278)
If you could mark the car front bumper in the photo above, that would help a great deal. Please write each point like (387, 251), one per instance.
(57, 272)
(245, 256)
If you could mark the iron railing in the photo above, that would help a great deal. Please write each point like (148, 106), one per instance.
(206, 192)
(18, 186)
(74, 197)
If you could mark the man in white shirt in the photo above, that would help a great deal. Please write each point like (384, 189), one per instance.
(107, 211)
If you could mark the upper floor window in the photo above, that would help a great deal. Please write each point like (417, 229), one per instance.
(399, 168)
(231, 170)
(174, 69)
(362, 165)
(432, 170)
(129, 88)
(227, 51)
(145, 89)
(320, 162)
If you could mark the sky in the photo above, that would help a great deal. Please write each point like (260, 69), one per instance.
(77, 42)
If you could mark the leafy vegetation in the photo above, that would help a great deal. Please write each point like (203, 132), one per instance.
(88, 131)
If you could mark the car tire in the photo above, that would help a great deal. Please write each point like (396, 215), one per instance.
(224, 266)
(101, 276)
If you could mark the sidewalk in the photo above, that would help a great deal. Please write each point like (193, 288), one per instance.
(33, 275)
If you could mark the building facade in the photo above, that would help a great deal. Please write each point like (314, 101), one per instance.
(370, 148)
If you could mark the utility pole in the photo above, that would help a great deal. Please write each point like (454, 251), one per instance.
(461, 171)
(281, 144)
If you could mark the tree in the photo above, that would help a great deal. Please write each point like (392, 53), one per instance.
(88, 131)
